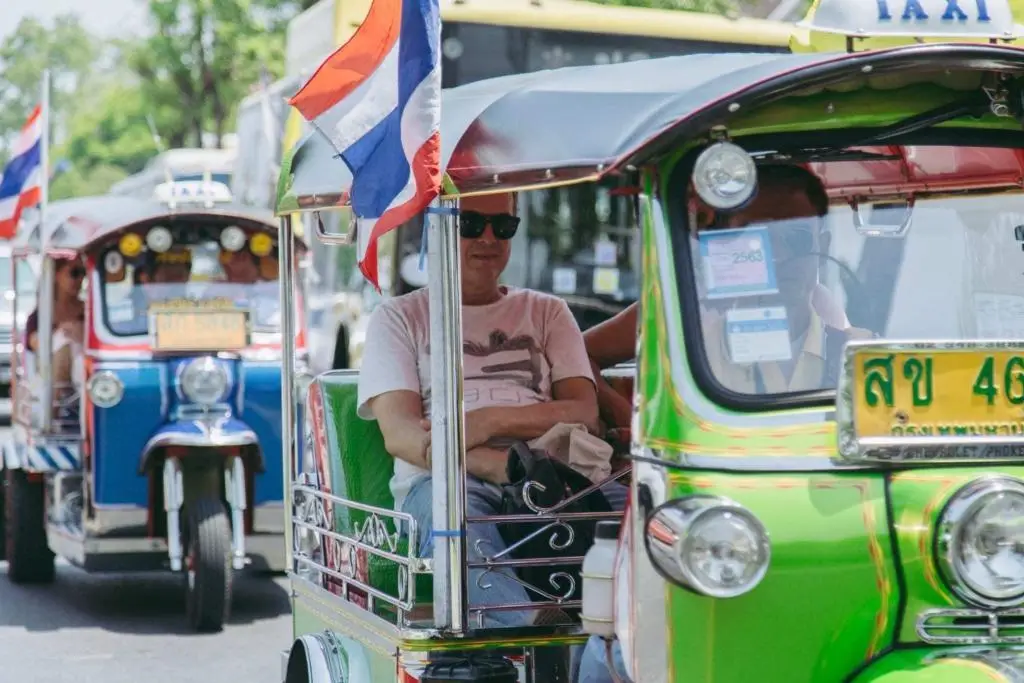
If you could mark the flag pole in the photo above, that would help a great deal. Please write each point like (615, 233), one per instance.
(44, 181)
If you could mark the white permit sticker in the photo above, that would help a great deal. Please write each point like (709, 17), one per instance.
(737, 263)
(122, 312)
(758, 335)
(999, 316)
(606, 253)
(563, 280)
(606, 280)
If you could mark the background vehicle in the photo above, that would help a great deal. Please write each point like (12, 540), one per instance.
(24, 289)
(179, 165)
(164, 450)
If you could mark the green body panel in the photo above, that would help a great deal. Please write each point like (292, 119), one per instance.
(930, 666)
(918, 499)
(829, 601)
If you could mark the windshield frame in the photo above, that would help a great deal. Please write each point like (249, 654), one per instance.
(675, 206)
(97, 282)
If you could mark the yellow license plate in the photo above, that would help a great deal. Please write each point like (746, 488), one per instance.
(200, 330)
(939, 393)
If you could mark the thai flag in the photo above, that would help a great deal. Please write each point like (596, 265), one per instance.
(21, 182)
(378, 99)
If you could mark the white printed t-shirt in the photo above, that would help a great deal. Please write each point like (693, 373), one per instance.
(513, 351)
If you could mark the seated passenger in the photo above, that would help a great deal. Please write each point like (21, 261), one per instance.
(790, 203)
(160, 277)
(240, 267)
(68, 324)
(526, 371)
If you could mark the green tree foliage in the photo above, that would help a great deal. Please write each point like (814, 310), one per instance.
(71, 54)
(202, 59)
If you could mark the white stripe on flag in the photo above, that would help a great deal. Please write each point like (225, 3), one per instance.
(29, 137)
(372, 102)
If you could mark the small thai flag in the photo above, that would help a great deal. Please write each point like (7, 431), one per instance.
(21, 182)
(378, 99)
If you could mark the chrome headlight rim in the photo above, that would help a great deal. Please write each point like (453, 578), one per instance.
(667, 557)
(959, 509)
(207, 366)
(96, 383)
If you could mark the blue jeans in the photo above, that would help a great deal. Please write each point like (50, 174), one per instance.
(593, 663)
(498, 587)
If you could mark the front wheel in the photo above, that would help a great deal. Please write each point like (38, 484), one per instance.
(207, 565)
(29, 558)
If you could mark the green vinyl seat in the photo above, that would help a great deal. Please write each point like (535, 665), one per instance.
(360, 471)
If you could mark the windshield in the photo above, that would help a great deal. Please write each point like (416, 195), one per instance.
(784, 284)
(195, 272)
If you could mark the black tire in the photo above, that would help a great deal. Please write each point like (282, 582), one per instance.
(208, 573)
(29, 558)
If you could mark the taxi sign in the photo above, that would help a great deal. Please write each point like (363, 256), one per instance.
(967, 19)
(192, 192)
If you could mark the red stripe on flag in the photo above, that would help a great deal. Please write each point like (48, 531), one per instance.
(353, 62)
(36, 113)
(26, 199)
(426, 169)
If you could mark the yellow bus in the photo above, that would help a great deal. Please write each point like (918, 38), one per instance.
(567, 235)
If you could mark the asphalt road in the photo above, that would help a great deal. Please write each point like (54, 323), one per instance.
(131, 629)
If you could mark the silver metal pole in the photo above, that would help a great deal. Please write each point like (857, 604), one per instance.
(286, 259)
(44, 340)
(44, 330)
(447, 445)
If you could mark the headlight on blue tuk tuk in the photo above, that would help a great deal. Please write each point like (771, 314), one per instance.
(205, 381)
(105, 389)
(981, 542)
(708, 544)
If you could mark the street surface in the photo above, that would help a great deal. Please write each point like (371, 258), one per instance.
(131, 629)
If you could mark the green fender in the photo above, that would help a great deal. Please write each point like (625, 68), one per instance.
(954, 665)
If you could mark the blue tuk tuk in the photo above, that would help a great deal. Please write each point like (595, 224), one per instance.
(162, 449)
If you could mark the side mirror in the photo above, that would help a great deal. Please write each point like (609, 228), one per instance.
(410, 271)
(883, 219)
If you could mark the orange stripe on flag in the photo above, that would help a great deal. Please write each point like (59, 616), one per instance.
(353, 62)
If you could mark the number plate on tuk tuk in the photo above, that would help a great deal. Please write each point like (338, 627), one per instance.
(200, 330)
(933, 402)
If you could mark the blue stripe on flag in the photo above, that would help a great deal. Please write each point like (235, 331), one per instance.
(19, 169)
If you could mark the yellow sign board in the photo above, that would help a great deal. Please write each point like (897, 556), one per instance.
(933, 396)
(200, 330)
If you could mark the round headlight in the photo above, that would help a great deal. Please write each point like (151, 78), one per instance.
(232, 238)
(205, 381)
(708, 544)
(159, 239)
(105, 389)
(981, 542)
(725, 176)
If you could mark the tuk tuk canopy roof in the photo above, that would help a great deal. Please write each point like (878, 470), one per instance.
(75, 225)
(573, 124)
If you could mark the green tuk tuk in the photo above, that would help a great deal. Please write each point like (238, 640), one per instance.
(828, 414)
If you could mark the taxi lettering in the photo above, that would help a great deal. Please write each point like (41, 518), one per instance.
(912, 10)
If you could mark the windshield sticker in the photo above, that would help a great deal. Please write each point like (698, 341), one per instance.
(606, 253)
(737, 263)
(563, 281)
(999, 316)
(606, 280)
(758, 335)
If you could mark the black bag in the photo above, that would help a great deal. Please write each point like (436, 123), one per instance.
(560, 482)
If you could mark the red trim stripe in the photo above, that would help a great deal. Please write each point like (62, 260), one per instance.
(353, 63)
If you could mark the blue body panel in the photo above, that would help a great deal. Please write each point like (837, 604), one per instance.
(150, 407)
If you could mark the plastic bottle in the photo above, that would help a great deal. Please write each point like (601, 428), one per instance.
(598, 571)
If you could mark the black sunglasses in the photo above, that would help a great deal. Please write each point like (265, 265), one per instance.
(472, 224)
(77, 271)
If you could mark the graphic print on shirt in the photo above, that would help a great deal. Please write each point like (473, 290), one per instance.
(504, 370)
